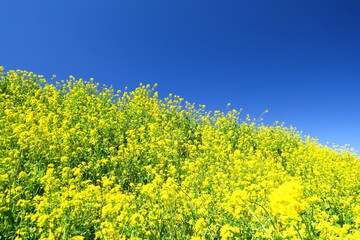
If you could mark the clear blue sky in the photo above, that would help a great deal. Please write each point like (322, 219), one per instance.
(298, 59)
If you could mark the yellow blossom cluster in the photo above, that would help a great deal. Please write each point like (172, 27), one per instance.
(79, 161)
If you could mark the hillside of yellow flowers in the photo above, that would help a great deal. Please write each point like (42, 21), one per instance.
(79, 161)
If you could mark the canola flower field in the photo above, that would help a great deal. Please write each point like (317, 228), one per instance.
(79, 161)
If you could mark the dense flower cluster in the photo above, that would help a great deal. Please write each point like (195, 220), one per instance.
(82, 162)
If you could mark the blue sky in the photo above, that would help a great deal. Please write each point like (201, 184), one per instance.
(298, 59)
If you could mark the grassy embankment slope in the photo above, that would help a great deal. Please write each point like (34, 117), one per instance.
(81, 163)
